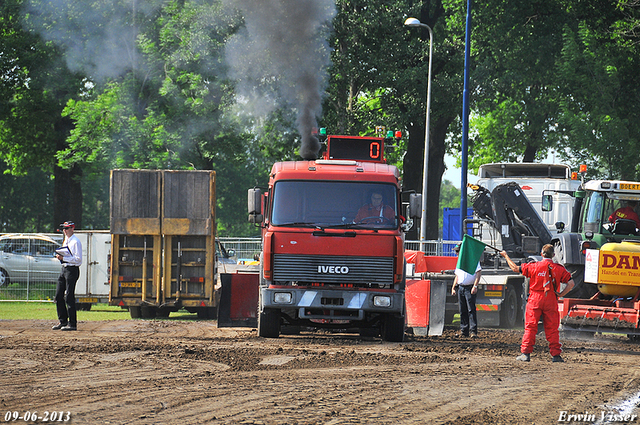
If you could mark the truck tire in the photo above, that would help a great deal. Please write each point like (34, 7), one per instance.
(207, 313)
(163, 312)
(269, 323)
(581, 289)
(509, 308)
(393, 328)
(449, 316)
(147, 312)
(83, 306)
(135, 312)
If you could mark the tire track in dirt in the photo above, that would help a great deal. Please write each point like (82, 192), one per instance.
(164, 372)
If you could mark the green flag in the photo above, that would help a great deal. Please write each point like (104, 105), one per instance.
(470, 252)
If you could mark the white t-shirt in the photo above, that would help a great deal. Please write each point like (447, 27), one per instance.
(466, 279)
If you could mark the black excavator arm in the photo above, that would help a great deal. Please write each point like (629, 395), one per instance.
(522, 230)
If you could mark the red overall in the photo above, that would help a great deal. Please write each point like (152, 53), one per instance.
(543, 303)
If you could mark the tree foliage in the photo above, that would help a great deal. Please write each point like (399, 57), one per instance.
(115, 84)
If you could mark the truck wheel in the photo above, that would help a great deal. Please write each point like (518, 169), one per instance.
(83, 306)
(509, 309)
(449, 316)
(207, 313)
(393, 328)
(269, 323)
(135, 312)
(163, 312)
(147, 312)
(581, 289)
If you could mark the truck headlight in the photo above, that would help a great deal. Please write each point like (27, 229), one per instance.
(282, 298)
(382, 301)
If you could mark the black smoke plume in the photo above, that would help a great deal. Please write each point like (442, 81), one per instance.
(280, 58)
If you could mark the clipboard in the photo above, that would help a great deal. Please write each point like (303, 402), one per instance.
(64, 251)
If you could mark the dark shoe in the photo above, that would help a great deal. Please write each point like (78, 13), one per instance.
(461, 335)
(524, 357)
(59, 326)
(69, 328)
(557, 359)
(474, 336)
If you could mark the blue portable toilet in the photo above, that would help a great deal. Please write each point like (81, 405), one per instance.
(451, 224)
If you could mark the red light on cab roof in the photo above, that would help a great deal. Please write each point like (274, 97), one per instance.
(398, 134)
(583, 168)
(574, 176)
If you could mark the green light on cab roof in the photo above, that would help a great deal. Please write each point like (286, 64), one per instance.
(389, 134)
(323, 131)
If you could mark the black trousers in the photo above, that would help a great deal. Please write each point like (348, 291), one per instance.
(66, 295)
(468, 314)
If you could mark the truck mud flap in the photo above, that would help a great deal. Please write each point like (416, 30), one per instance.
(238, 300)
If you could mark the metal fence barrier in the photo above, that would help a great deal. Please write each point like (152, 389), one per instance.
(29, 272)
(247, 249)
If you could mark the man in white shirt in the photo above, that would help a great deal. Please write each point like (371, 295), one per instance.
(71, 259)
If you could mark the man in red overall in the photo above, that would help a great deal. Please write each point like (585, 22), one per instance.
(545, 278)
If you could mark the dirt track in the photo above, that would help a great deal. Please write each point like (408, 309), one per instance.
(165, 372)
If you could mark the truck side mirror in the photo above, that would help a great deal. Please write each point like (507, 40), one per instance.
(254, 205)
(547, 203)
(415, 205)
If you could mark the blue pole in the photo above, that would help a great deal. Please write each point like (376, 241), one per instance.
(465, 124)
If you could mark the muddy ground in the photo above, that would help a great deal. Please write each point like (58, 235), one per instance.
(191, 372)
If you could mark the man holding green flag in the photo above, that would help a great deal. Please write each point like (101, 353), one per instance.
(468, 274)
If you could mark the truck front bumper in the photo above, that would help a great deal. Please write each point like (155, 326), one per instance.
(332, 304)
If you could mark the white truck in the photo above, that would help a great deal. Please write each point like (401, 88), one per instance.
(507, 204)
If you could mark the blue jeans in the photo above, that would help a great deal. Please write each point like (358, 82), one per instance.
(468, 315)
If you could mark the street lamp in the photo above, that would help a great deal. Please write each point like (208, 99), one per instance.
(413, 22)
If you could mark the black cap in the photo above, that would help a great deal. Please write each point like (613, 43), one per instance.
(68, 224)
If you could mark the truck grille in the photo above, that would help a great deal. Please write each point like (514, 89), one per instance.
(333, 269)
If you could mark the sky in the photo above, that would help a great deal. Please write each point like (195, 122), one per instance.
(453, 174)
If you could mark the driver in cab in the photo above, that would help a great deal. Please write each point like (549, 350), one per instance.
(376, 211)
(627, 212)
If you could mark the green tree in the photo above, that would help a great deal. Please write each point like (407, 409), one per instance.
(516, 46)
(171, 107)
(600, 97)
(379, 77)
(35, 86)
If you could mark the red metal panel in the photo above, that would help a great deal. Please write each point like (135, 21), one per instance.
(244, 295)
(418, 298)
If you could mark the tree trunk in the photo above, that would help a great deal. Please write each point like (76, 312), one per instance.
(436, 170)
(412, 169)
(413, 165)
(67, 194)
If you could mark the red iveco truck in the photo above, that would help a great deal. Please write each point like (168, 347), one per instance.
(333, 257)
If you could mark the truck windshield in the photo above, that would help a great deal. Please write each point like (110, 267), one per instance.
(598, 207)
(334, 204)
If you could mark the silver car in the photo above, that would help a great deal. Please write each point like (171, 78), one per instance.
(28, 258)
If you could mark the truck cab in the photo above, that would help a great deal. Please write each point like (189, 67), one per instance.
(333, 242)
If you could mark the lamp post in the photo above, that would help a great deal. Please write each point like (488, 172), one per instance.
(413, 22)
(465, 124)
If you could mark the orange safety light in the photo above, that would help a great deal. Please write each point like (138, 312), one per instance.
(574, 176)
(583, 168)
